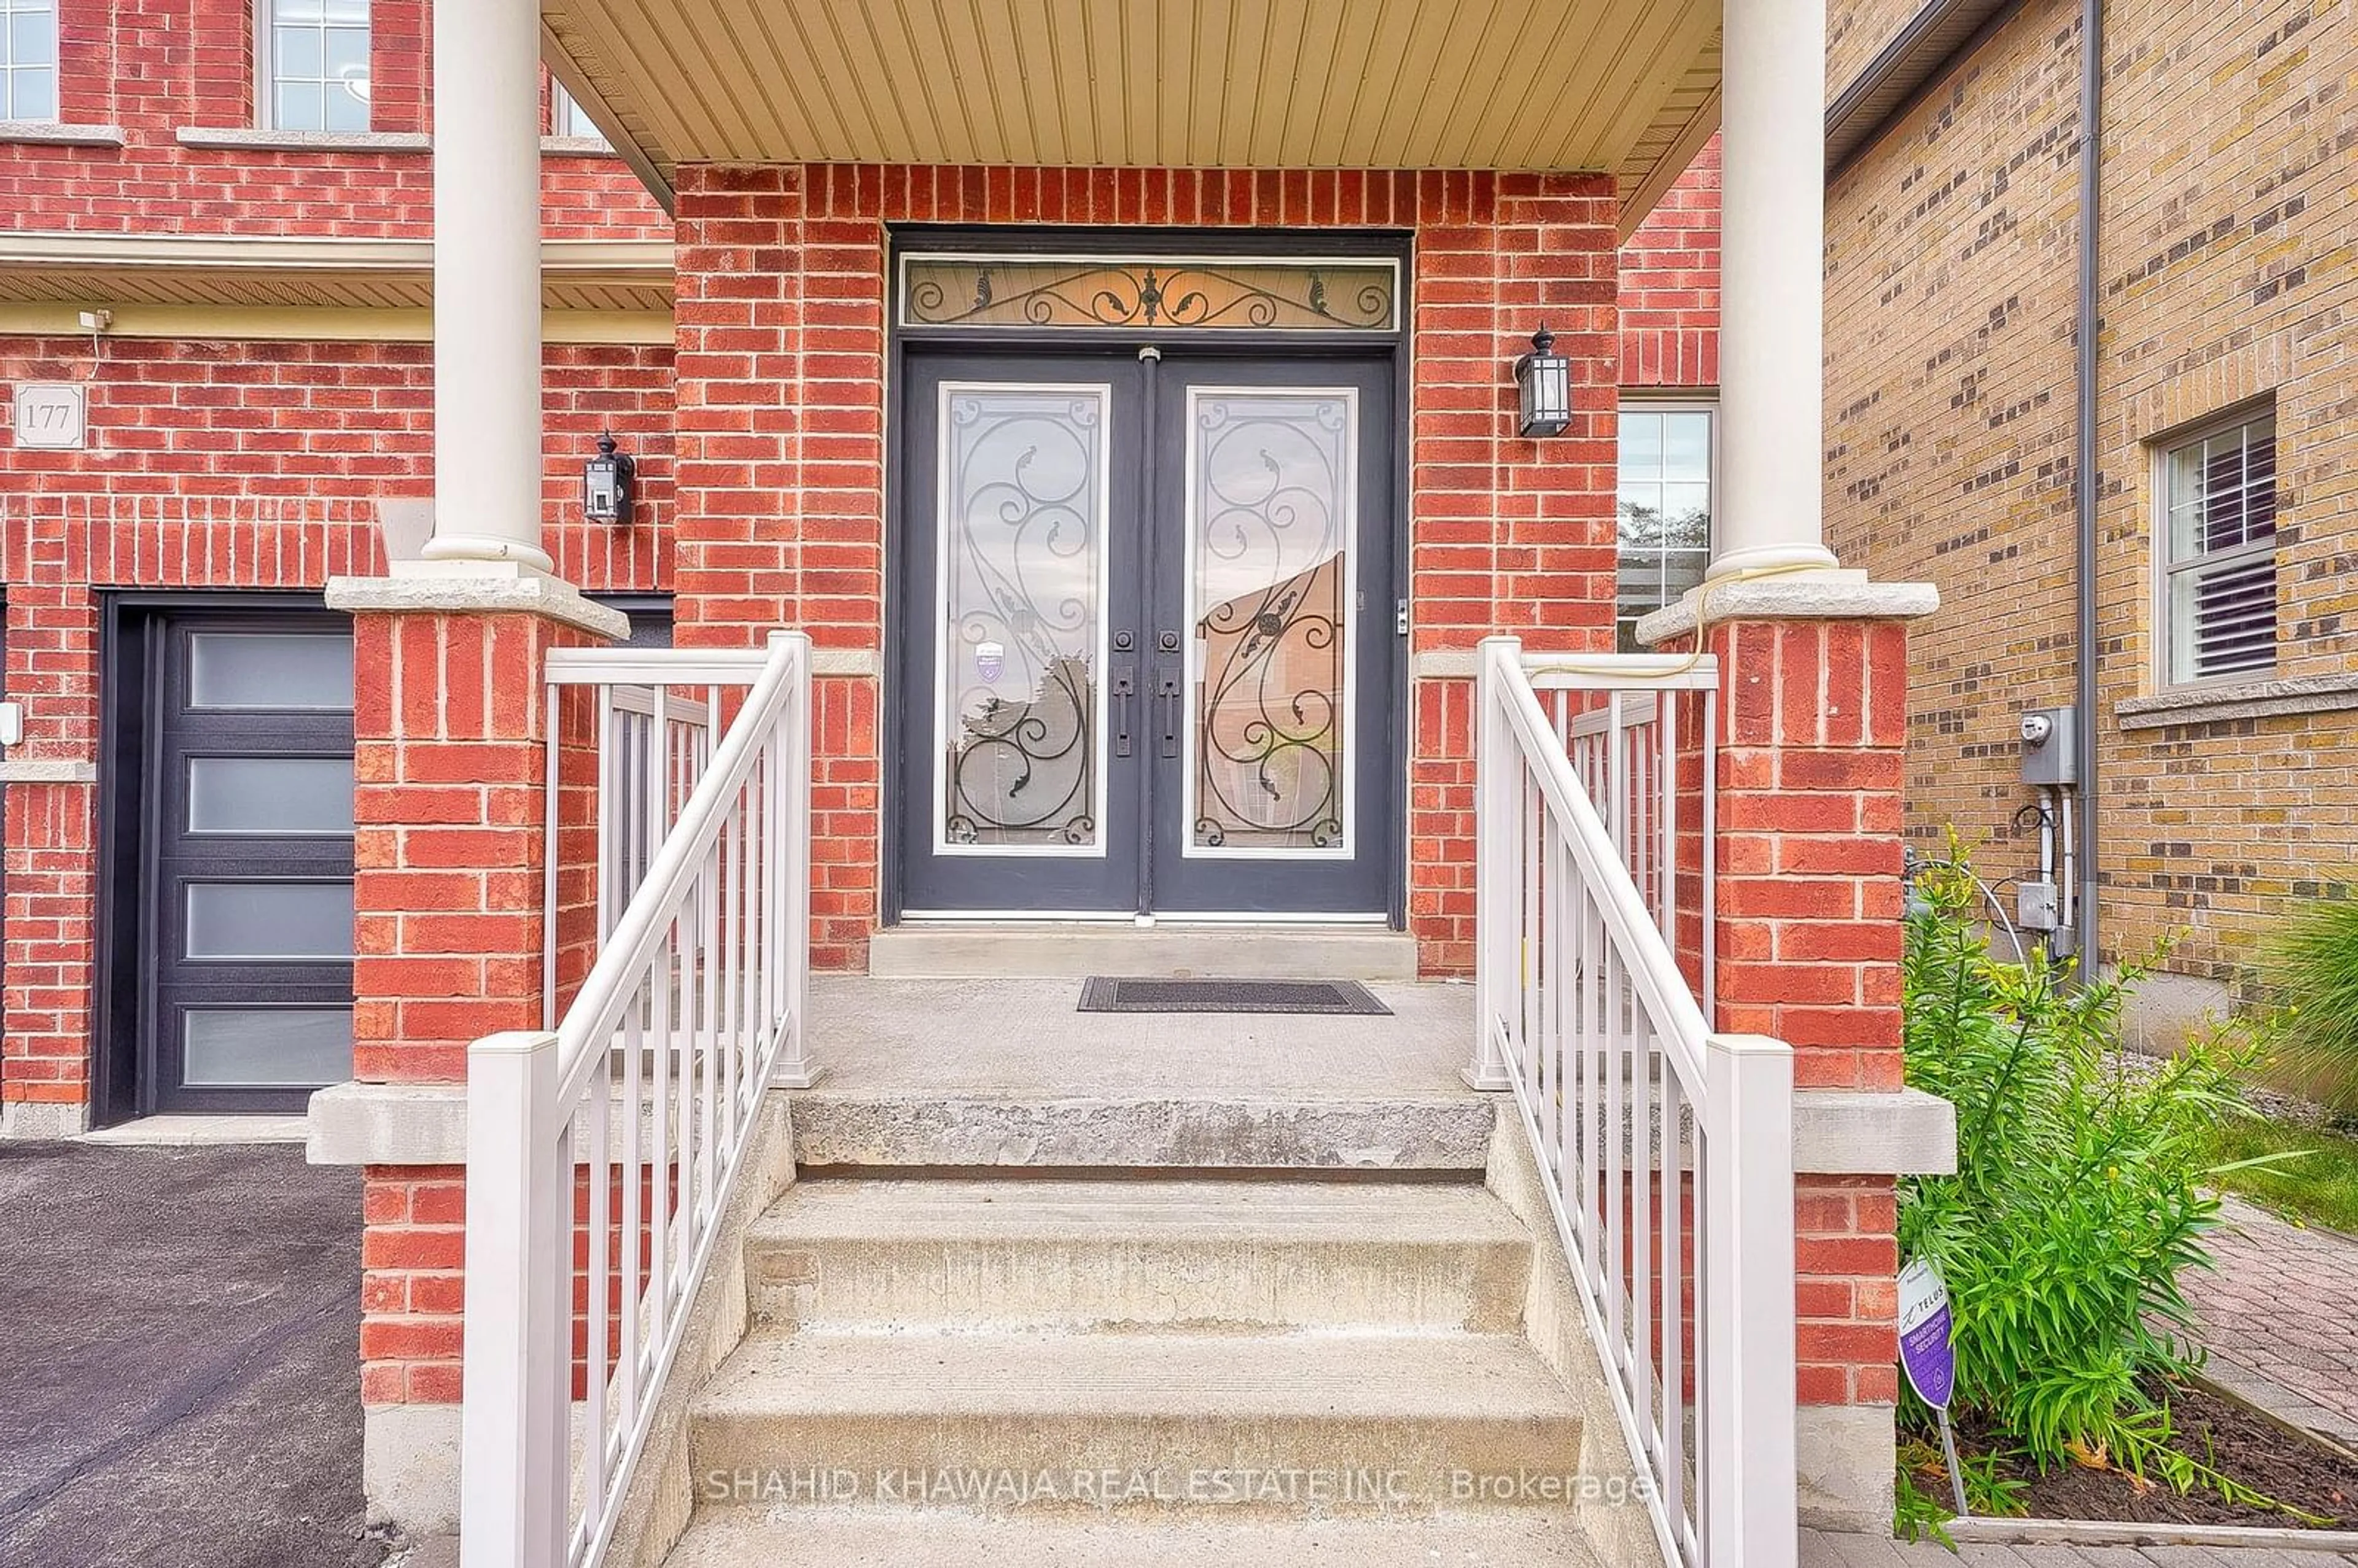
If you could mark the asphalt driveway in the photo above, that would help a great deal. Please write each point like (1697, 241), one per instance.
(179, 1385)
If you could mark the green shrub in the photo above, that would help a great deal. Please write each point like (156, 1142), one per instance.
(2310, 966)
(2080, 1197)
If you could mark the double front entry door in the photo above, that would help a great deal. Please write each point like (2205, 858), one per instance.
(1148, 633)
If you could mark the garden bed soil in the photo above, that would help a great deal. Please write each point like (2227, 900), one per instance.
(2246, 1446)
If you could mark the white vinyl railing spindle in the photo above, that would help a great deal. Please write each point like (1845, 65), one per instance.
(1666, 1150)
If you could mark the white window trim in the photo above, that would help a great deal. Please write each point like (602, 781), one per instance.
(1663, 400)
(56, 67)
(2159, 449)
(265, 73)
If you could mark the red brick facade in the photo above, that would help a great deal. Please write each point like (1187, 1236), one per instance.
(230, 465)
(1669, 285)
(157, 68)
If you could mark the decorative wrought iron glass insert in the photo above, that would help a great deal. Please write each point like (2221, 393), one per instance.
(1167, 293)
(1022, 601)
(1271, 509)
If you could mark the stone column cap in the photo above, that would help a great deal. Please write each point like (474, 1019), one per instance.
(475, 588)
(1837, 594)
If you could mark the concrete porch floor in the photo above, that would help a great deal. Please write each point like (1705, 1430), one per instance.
(1026, 1037)
(1008, 1072)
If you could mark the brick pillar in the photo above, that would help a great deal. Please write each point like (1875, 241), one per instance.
(1812, 737)
(448, 854)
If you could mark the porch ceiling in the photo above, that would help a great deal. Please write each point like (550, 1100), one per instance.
(1628, 87)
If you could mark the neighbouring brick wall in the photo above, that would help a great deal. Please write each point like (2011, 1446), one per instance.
(782, 441)
(2226, 276)
(154, 67)
(250, 465)
(1857, 32)
(1670, 284)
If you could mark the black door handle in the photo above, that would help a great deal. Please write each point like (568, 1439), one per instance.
(1166, 691)
(1124, 686)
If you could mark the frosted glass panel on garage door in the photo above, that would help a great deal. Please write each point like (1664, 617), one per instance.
(267, 1046)
(270, 794)
(303, 670)
(282, 921)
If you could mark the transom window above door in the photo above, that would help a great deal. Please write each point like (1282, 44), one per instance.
(1161, 293)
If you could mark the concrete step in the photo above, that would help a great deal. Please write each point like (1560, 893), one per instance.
(1292, 1425)
(1047, 1253)
(1196, 1130)
(1002, 950)
(856, 1538)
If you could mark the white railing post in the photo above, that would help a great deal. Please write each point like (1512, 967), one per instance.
(1746, 1237)
(1497, 779)
(512, 1433)
(792, 847)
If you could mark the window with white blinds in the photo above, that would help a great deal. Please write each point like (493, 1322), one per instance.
(2219, 592)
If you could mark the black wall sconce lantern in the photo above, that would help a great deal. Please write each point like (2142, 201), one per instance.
(1543, 380)
(605, 484)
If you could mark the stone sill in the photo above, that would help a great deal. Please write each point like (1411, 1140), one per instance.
(47, 133)
(250, 138)
(47, 769)
(576, 146)
(2244, 699)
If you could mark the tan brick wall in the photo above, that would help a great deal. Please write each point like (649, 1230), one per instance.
(2226, 274)
(1856, 34)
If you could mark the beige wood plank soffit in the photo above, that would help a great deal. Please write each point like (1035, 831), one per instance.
(202, 271)
(1614, 86)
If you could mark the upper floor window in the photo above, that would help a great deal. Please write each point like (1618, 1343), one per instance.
(1664, 514)
(565, 116)
(313, 59)
(2218, 574)
(28, 60)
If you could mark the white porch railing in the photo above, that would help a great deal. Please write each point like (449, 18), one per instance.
(1629, 722)
(1666, 1151)
(617, 1136)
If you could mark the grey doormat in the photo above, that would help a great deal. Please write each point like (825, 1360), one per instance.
(1100, 993)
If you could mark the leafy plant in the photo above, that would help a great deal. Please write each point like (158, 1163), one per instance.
(1916, 1511)
(2309, 965)
(2080, 1193)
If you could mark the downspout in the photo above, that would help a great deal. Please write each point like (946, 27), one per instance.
(2083, 468)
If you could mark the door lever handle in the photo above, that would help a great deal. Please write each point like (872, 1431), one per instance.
(1124, 686)
(1166, 695)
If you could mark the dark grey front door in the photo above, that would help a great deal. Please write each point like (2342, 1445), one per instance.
(1146, 633)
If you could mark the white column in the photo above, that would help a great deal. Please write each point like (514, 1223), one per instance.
(1772, 286)
(487, 283)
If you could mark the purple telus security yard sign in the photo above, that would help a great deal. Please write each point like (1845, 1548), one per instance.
(1925, 1353)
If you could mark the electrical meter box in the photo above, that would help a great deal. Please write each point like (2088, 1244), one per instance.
(2050, 746)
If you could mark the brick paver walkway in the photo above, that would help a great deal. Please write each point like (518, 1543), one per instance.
(1824, 1551)
(2280, 1316)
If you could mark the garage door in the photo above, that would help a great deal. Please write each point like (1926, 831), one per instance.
(248, 881)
